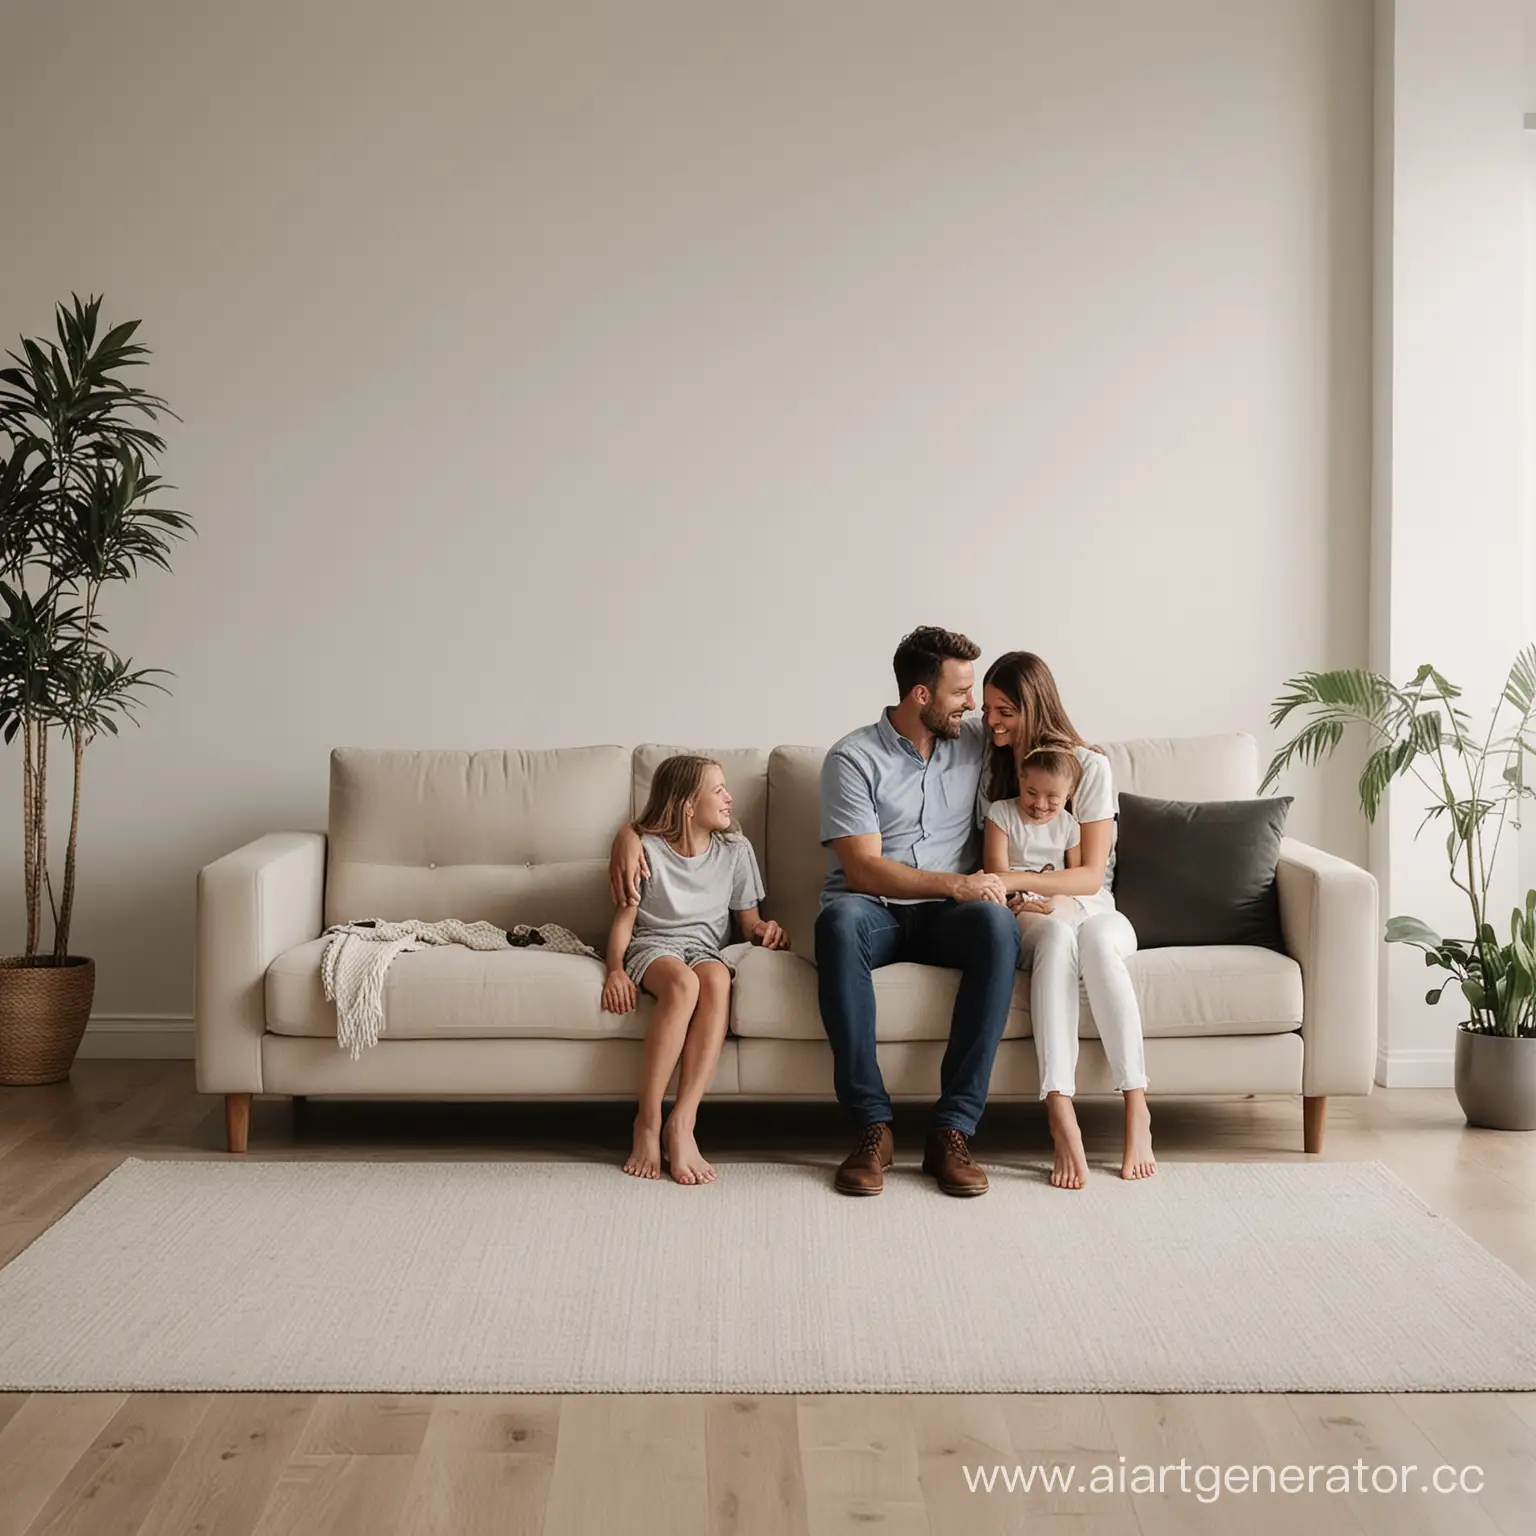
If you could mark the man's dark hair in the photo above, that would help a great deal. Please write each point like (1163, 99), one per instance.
(921, 656)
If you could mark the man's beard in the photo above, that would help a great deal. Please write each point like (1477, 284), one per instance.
(940, 724)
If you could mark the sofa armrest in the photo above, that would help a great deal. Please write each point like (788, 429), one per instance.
(1328, 917)
(252, 905)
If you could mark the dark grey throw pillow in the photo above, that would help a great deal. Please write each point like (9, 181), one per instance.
(1200, 871)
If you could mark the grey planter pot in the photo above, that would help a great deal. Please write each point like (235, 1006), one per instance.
(1496, 1080)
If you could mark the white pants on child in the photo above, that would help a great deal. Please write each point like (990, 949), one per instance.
(1059, 948)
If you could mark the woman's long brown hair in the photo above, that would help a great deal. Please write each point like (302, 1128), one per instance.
(1031, 688)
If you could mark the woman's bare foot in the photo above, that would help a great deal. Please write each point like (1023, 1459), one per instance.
(645, 1160)
(1139, 1162)
(688, 1164)
(1071, 1167)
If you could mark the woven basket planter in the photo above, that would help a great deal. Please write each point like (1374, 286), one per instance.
(44, 1009)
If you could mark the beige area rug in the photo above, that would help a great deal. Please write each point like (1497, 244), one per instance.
(570, 1277)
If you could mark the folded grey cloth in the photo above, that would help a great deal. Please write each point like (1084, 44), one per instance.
(357, 958)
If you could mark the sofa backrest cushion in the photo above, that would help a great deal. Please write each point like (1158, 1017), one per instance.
(794, 843)
(1224, 767)
(501, 836)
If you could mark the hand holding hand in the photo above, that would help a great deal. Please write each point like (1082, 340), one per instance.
(981, 887)
(619, 994)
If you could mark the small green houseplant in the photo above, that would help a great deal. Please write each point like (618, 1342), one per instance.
(75, 484)
(1474, 783)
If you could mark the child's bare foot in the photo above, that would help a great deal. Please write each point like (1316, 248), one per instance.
(1139, 1162)
(1071, 1166)
(645, 1160)
(688, 1163)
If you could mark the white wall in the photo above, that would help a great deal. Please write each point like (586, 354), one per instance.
(577, 372)
(1527, 844)
(1527, 841)
(1448, 576)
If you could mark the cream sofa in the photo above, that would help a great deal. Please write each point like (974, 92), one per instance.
(515, 837)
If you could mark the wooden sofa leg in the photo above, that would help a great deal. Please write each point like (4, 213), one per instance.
(237, 1119)
(1312, 1122)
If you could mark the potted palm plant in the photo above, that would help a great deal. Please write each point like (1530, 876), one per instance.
(1472, 785)
(74, 488)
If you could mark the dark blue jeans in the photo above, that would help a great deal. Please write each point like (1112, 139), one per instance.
(855, 935)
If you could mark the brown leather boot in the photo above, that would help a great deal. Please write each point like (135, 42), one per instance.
(947, 1156)
(863, 1170)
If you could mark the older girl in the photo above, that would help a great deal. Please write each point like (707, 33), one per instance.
(1024, 712)
(701, 871)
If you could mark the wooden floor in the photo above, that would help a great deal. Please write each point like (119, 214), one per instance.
(225, 1464)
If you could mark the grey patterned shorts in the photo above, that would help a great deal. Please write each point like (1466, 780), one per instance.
(641, 952)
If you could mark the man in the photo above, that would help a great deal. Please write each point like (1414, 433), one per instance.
(898, 816)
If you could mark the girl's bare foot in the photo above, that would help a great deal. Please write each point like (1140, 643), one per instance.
(645, 1160)
(688, 1163)
(1139, 1162)
(1071, 1166)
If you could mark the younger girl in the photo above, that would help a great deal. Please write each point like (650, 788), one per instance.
(702, 870)
(1064, 948)
(1036, 834)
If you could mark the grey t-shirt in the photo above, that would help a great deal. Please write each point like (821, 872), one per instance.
(691, 899)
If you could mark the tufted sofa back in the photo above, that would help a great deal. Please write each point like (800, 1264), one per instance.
(523, 837)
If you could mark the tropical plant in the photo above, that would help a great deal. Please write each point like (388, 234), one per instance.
(74, 488)
(1419, 729)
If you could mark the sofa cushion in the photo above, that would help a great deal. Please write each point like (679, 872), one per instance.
(499, 836)
(450, 992)
(1212, 990)
(797, 861)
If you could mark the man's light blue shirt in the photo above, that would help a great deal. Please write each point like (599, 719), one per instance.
(875, 780)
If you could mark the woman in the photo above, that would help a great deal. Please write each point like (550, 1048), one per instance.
(1024, 712)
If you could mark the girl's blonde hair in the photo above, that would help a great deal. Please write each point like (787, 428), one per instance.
(1030, 687)
(1059, 762)
(677, 781)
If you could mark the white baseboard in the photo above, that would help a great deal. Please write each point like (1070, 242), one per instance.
(163, 1036)
(1432, 1068)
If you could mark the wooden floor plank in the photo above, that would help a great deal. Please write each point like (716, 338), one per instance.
(859, 1460)
(1373, 1436)
(1052, 1432)
(367, 1424)
(630, 1466)
(755, 1484)
(10, 1406)
(231, 1465)
(40, 1444)
(956, 1439)
(1478, 1430)
(111, 1488)
(484, 1467)
(338, 1496)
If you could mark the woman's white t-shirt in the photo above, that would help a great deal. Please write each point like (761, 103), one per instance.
(1095, 801)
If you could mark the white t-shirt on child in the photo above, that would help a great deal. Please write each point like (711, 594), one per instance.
(1038, 846)
(1093, 801)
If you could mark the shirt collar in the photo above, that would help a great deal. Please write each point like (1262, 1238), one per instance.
(896, 741)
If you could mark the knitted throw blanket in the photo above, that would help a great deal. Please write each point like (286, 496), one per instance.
(357, 958)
